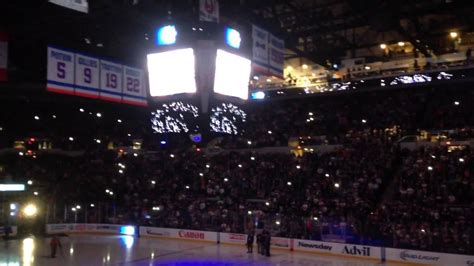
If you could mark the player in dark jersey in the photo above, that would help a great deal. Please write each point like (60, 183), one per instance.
(250, 239)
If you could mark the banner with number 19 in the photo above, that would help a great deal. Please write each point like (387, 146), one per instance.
(111, 81)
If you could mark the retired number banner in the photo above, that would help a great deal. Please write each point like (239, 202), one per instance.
(259, 50)
(134, 86)
(3, 56)
(60, 77)
(111, 76)
(87, 76)
(276, 56)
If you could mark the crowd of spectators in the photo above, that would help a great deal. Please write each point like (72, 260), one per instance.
(334, 116)
(432, 208)
(367, 189)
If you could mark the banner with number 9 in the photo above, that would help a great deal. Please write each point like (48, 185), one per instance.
(87, 76)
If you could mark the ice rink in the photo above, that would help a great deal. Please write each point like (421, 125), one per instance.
(126, 250)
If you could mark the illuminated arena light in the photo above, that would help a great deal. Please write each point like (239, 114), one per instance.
(127, 230)
(226, 118)
(166, 35)
(12, 187)
(232, 38)
(417, 78)
(30, 210)
(258, 95)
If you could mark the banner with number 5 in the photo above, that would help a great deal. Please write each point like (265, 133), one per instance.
(134, 91)
(87, 76)
(60, 77)
(111, 81)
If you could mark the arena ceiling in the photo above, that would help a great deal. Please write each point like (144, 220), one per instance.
(322, 31)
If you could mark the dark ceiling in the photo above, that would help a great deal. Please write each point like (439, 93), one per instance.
(319, 30)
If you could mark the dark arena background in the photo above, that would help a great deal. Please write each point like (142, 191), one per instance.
(206, 132)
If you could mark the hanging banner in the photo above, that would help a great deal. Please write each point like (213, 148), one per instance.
(111, 77)
(78, 5)
(276, 56)
(259, 50)
(87, 76)
(134, 91)
(209, 10)
(60, 75)
(82, 75)
(3, 56)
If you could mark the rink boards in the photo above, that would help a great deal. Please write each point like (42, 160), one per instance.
(289, 244)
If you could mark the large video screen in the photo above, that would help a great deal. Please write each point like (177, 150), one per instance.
(171, 72)
(227, 118)
(175, 117)
(232, 75)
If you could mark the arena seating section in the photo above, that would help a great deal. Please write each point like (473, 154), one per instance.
(369, 188)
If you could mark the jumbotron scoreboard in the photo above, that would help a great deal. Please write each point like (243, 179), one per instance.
(199, 79)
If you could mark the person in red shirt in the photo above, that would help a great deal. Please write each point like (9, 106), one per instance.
(54, 243)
